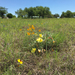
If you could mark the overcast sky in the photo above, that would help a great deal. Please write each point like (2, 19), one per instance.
(56, 6)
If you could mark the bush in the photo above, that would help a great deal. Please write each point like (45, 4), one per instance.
(9, 15)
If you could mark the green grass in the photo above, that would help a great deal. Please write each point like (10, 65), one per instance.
(14, 44)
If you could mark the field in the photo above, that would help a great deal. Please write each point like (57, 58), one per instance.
(59, 45)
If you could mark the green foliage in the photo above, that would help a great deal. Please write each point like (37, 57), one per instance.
(56, 15)
(67, 14)
(73, 14)
(2, 11)
(9, 15)
(14, 16)
(36, 11)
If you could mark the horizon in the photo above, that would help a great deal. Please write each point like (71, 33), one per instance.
(56, 7)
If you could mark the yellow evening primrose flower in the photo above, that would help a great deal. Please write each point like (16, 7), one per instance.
(40, 35)
(18, 60)
(33, 50)
(21, 62)
(39, 39)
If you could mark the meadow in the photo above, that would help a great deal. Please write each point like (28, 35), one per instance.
(22, 53)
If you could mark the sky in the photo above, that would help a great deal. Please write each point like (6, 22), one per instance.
(56, 6)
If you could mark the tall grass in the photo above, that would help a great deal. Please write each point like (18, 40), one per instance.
(16, 44)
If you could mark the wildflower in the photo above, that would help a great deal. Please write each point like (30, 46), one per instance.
(40, 35)
(39, 50)
(39, 30)
(33, 27)
(19, 61)
(29, 28)
(41, 23)
(20, 29)
(39, 40)
(53, 41)
(28, 33)
(33, 50)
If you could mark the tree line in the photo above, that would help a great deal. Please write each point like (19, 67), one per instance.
(40, 11)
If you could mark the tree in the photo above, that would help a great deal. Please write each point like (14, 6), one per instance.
(69, 14)
(3, 11)
(19, 12)
(73, 14)
(9, 15)
(14, 16)
(36, 11)
(63, 15)
(56, 15)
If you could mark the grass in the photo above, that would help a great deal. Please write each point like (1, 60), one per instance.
(59, 57)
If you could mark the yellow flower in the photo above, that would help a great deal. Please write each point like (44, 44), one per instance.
(33, 27)
(53, 41)
(28, 33)
(39, 30)
(33, 50)
(20, 29)
(41, 23)
(39, 40)
(30, 29)
(19, 61)
(40, 35)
